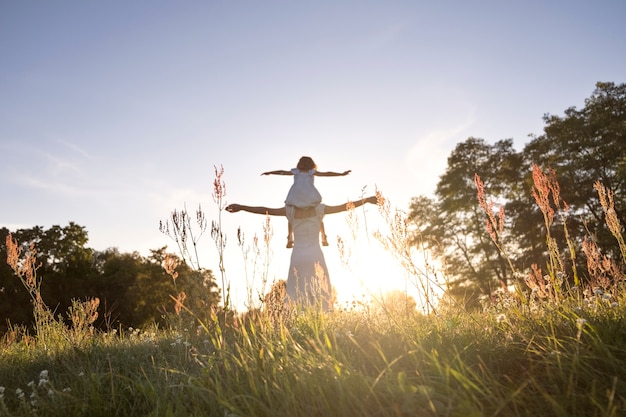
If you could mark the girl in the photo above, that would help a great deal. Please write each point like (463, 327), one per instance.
(303, 192)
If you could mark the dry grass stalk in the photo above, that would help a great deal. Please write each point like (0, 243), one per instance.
(170, 263)
(179, 228)
(602, 269)
(26, 270)
(217, 234)
(608, 206)
(494, 223)
(546, 192)
(399, 241)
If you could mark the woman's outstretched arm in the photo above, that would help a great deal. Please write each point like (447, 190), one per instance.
(278, 172)
(233, 208)
(300, 212)
(344, 207)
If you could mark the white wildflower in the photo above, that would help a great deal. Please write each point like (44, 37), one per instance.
(43, 374)
(500, 318)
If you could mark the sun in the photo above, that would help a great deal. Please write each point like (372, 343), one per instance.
(361, 269)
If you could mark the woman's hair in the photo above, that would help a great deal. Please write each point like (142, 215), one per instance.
(306, 164)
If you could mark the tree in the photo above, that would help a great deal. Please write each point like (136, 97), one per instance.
(582, 147)
(63, 262)
(453, 224)
(585, 146)
(133, 290)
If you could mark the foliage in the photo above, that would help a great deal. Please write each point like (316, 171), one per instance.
(132, 290)
(453, 224)
(575, 151)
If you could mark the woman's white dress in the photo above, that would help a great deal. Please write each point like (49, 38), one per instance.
(308, 281)
(303, 192)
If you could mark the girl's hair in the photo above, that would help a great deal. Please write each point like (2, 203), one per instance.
(306, 164)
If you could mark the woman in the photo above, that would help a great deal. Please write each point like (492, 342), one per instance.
(308, 281)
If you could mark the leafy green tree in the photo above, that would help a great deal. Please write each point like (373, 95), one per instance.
(159, 295)
(133, 290)
(453, 224)
(63, 261)
(585, 146)
(116, 275)
(137, 291)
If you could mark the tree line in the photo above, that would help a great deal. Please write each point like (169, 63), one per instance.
(132, 290)
(541, 199)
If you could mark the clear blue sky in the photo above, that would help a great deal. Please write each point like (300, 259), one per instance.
(114, 113)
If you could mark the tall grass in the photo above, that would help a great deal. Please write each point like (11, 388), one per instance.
(520, 356)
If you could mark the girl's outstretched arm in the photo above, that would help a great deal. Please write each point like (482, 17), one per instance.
(278, 172)
(332, 174)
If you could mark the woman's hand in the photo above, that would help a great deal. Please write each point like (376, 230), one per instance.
(233, 208)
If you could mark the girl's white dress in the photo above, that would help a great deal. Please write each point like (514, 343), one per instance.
(303, 192)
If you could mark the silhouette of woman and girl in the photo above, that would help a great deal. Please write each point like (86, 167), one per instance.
(308, 281)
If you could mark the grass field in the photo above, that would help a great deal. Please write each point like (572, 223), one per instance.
(565, 360)
(549, 349)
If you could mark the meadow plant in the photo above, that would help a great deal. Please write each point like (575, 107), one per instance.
(217, 234)
(494, 221)
(180, 229)
(546, 191)
(399, 241)
(261, 256)
(82, 315)
(608, 207)
(26, 270)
